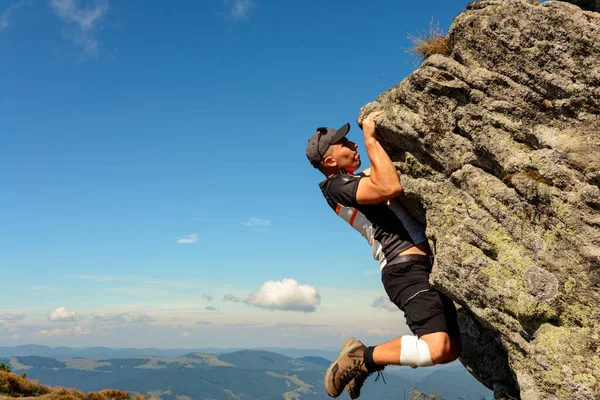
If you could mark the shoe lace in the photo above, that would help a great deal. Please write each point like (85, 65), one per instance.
(352, 370)
(359, 380)
(379, 376)
(357, 383)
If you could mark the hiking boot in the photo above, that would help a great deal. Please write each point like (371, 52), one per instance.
(349, 365)
(356, 384)
(350, 342)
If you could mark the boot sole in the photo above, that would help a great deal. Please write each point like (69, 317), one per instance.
(345, 349)
(347, 342)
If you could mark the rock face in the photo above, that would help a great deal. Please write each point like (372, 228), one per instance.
(498, 146)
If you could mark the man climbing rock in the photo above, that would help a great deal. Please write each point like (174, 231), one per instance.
(367, 201)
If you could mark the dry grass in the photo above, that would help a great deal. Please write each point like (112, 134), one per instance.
(416, 394)
(13, 386)
(529, 174)
(428, 43)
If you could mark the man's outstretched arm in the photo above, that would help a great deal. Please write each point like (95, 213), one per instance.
(383, 182)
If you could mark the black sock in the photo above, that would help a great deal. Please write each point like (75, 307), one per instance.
(368, 359)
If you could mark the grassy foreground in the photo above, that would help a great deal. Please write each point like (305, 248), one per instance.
(14, 386)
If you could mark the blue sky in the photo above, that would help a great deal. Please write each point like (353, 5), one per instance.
(153, 169)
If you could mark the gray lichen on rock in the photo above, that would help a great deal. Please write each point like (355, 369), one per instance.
(498, 147)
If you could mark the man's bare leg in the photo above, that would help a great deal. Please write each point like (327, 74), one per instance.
(441, 348)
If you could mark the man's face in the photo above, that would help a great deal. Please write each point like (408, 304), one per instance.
(344, 154)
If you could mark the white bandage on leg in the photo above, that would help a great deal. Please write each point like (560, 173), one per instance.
(414, 352)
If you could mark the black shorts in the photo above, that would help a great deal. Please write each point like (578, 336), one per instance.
(426, 310)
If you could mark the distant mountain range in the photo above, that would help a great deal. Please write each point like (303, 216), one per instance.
(62, 353)
(241, 374)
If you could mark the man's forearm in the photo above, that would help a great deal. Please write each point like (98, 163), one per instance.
(383, 172)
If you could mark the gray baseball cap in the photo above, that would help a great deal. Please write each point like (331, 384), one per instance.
(320, 142)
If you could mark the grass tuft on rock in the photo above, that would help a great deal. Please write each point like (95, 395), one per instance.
(428, 43)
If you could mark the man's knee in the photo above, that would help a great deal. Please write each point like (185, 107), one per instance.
(455, 349)
(442, 349)
(448, 352)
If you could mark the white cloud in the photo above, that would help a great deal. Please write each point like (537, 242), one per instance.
(296, 325)
(240, 9)
(230, 297)
(207, 297)
(62, 315)
(202, 322)
(82, 21)
(211, 308)
(372, 271)
(383, 303)
(8, 321)
(6, 14)
(285, 295)
(73, 331)
(378, 332)
(131, 317)
(4, 18)
(188, 239)
(258, 222)
(7, 326)
(106, 278)
(81, 330)
(11, 317)
(185, 334)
